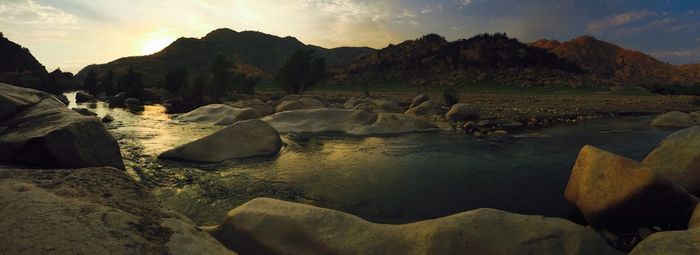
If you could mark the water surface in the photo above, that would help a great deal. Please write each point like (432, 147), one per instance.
(391, 179)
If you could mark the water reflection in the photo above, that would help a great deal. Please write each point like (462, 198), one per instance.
(385, 179)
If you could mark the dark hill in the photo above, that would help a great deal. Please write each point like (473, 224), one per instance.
(254, 49)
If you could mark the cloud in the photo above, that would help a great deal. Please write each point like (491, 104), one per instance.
(661, 23)
(597, 26)
(678, 54)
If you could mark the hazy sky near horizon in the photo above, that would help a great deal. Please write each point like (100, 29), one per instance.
(71, 34)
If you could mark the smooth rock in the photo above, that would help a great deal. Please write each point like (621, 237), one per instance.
(678, 159)
(461, 112)
(289, 106)
(685, 242)
(673, 119)
(695, 116)
(84, 112)
(268, 226)
(48, 134)
(91, 211)
(243, 139)
(107, 118)
(353, 122)
(694, 221)
(63, 98)
(117, 100)
(218, 114)
(261, 108)
(14, 99)
(612, 191)
(81, 97)
(419, 99)
(425, 108)
(372, 105)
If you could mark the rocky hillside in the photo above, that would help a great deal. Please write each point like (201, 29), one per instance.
(691, 69)
(263, 53)
(607, 63)
(18, 66)
(432, 59)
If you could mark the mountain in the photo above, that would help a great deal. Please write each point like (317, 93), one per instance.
(607, 63)
(19, 67)
(260, 52)
(433, 60)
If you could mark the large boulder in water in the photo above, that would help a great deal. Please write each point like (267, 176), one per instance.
(460, 112)
(612, 191)
(42, 131)
(674, 119)
(261, 108)
(117, 100)
(91, 211)
(678, 159)
(268, 226)
(301, 103)
(353, 122)
(218, 114)
(83, 97)
(243, 139)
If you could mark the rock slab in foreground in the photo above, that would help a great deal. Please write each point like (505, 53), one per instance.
(91, 211)
(355, 122)
(685, 242)
(243, 139)
(611, 191)
(268, 226)
(40, 130)
(678, 159)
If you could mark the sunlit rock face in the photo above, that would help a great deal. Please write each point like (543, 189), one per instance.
(674, 119)
(678, 159)
(36, 128)
(91, 211)
(243, 139)
(218, 114)
(268, 226)
(354, 122)
(612, 191)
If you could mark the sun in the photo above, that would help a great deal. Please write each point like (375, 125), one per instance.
(154, 45)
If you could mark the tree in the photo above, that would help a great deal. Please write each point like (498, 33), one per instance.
(90, 83)
(195, 90)
(243, 83)
(132, 84)
(176, 81)
(302, 71)
(220, 77)
(107, 83)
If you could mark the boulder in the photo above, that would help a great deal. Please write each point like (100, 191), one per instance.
(84, 112)
(354, 122)
(289, 106)
(268, 226)
(295, 97)
(218, 114)
(81, 97)
(372, 105)
(46, 133)
(261, 108)
(425, 108)
(695, 116)
(91, 211)
(301, 103)
(461, 112)
(694, 221)
(673, 119)
(107, 118)
(678, 159)
(685, 242)
(117, 100)
(612, 191)
(132, 102)
(419, 99)
(243, 139)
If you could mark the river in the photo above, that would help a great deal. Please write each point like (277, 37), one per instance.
(388, 179)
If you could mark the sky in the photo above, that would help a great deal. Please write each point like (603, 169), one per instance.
(71, 34)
